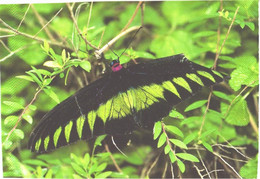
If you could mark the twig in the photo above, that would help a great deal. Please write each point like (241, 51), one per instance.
(133, 16)
(23, 17)
(172, 171)
(218, 40)
(216, 59)
(113, 159)
(45, 25)
(20, 117)
(203, 164)
(198, 170)
(111, 42)
(165, 169)
(252, 123)
(238, 96)
(76, 25)
(90, 12)
(227, 164)
(205, 112)
(12, 53)
(12, 30)
(153, 164)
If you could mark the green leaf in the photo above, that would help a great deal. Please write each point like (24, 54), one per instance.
(86, 161)
(190, 138)
(10, 121)
(181, 165)
(49, 174)
(167, 149)
(52, 95)
(25, 77)
(161, 140)
(35, 162)
(207, 146)
(238, 113)
(51, 64)
(244, 74)
(188, 157)
(19, 133)
(101, 167)
(104, 174)
(28, 118)
(207, 133)
(176, 114)
(178, 143)
(78, 169)
(174, 130)
(172, 157)
(249, 170)
(85, 65)
(195, 105)
(13, 85)
(157, 129)
(13, 105)
(222, 95)
(99, 140)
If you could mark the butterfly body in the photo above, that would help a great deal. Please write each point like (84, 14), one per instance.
(136, 96)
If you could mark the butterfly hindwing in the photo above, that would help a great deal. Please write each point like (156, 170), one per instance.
(115, 104)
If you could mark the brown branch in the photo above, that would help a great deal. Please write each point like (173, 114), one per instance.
(113, 159)
(23, 17)
(133, 16)
(12, 30)
(23, 112)
(76, 26)
(111, 42)
(42, 22)
(218, 40)
(217, 55)
(206, 110)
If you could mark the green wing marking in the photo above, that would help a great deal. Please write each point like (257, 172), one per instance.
(91, 120)
(80, 124)
(38, 144)
(68, 131)
(182, 82)
(207, 75)
(195, 78)
(217, 73)
(46, 142)
(56, 136)
(170, 87)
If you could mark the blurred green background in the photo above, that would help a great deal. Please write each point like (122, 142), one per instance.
(42, 50)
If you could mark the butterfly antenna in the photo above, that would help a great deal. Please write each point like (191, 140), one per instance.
(131, 41)
(113, 51)
(112, 138)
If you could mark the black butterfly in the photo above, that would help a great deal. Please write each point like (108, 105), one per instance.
(136, 96)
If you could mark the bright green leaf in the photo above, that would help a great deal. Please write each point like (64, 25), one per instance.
(195, 105)
(174, 130)
(162, 140)
(178, 143)
(157, 129)
(187, 156)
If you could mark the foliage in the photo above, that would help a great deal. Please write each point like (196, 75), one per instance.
(45, 58)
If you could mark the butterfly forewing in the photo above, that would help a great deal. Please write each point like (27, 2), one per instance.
(135, 96)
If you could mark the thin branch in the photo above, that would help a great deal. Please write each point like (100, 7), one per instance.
(218, 40)
(77, 27)
(206, 110)
(20, 117)
(41, 20)
(165, 169)
(227, 164)
(111, 42)
(12, 30)
(203, 164)
(153, 164)
(198, 170)
(113, 159)
(23, 17)
(216, 59)
(12, 53)
(133, 16)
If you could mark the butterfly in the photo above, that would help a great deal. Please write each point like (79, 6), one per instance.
(125, 99)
